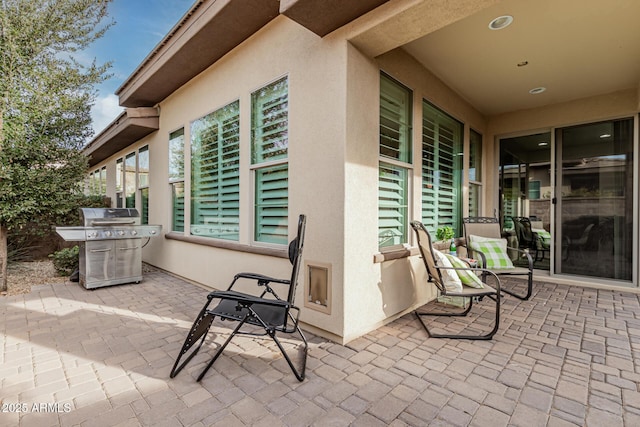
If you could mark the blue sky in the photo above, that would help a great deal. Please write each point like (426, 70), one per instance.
(139, 27)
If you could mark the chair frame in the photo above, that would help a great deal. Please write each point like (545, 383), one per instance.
(435, 276)
(523, 226)
(472, 253)
(266, 310)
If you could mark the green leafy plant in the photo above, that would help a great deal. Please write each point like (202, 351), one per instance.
(66, 260)
(444, 233)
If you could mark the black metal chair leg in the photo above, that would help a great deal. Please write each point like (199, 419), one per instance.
(198, 331)
(221, 349)
(487, 336)
(524, 297)
(298, 373)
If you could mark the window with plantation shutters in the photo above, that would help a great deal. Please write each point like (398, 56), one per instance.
(269, 151)
(392, 205)
(119, 182)
(272, 204)
(130, 165)
(475, 173)
(215, 172)
(143, 183)
(395, 162)
(176, 179)
(441, 169)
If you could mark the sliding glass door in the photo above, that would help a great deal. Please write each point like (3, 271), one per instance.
(594, 200)
(525, 195)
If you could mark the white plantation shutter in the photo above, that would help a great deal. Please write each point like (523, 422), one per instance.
(395, 117)
(177, 202)
(441, 169)
(270, 124)
(270, 142)
(272, 204)
(392, 205)
(176, 178)
(215, 170)
(475, 173)
(395, 144)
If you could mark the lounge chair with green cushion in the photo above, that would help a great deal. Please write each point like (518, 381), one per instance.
(485, 243)
(436, 271)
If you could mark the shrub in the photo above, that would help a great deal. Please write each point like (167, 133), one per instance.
(66, 260)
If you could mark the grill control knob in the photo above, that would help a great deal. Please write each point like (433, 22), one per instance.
(92, 234)
(107, 233)
(134, 232)
(120, 233)
(152, 232)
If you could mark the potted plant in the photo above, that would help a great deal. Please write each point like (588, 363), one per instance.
(444, 234)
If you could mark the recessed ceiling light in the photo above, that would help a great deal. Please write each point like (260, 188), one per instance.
(537, 90)
(500, 22)
(605, 135)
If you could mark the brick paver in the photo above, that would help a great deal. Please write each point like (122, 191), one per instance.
(69, 357)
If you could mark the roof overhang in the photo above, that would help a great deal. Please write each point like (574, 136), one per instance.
(130, 126)
(325, 16)
(204, 34)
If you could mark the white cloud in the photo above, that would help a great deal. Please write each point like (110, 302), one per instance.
(105, 110)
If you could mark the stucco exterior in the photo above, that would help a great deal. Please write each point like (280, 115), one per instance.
(333, 157)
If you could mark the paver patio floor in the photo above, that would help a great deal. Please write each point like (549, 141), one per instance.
(68, 356)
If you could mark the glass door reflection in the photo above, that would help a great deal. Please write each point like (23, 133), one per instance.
(594, 191)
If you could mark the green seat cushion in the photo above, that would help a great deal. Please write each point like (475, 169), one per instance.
(467, 277)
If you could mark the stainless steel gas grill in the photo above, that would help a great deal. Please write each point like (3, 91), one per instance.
(110, 245)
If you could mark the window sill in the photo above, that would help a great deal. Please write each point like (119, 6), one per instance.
(395, 254)
(232, 246)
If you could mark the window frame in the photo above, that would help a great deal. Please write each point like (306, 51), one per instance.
(143, 188)
(475, 185)
(457, 167)
(177, 179)
(403, 161)
(229, 111)
(258, 164)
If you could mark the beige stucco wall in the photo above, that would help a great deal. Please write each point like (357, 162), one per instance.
(316, 74)
(315, 71)
(377, 292)
(333, 165)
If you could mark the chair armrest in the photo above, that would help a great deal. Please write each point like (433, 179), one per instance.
(482, 257)
(526, 252)
(262, 279)
(247, 300)
(476, 269)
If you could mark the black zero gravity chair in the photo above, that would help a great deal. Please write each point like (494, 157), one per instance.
(266, 311)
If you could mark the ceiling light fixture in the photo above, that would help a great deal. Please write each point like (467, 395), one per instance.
(543, 144)
(605, 135)
(537, 90)
(500, 22)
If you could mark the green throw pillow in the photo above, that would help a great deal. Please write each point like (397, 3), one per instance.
(467, 277)
(495, 250)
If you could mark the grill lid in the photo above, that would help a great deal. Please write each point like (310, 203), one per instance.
(101, 217)
(108, 224)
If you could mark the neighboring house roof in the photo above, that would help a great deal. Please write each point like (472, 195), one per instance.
(207, 32)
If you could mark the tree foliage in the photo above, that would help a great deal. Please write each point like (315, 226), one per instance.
(46, 94)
